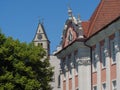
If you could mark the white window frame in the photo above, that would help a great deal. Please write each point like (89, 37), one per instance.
(103, 56)
(94, 61)
(113, 53)
(114, 87)
(104, 86)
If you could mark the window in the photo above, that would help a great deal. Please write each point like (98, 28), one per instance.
(119, 39)
(53, 77)
(113, 51)
(95, 88)
(70, 64)
(40, 44)
(70, 71)
(104, 86)
(76, 69)
(94, 61)
(70, 37)
(114, 85)
(75, 62)
(103, 57)
(59, 81)
(64, 67)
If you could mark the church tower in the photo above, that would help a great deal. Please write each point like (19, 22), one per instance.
(41, 38)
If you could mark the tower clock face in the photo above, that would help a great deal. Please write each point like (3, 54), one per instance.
(39, 36)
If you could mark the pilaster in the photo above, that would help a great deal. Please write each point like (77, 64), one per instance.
(117, 51)
(107, 58)
(61, 79)
(73, 72)
(67, 74)
(97, 57)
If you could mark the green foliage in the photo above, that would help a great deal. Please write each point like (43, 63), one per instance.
(22, 66)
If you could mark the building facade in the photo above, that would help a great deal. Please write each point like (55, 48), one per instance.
(90, 50)
(55, 62)
(74, 56)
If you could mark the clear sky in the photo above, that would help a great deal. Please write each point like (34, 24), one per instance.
(19, 18)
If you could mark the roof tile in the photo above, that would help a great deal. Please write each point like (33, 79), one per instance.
(106, 12)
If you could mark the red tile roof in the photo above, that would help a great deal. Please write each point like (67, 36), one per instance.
(106, 12)
(85, 26)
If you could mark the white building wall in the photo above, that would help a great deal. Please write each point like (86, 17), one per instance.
(84, 69)
(55, 62)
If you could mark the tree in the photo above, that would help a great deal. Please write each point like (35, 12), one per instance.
(22, 67)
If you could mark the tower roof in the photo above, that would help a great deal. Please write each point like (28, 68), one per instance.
(40, 30)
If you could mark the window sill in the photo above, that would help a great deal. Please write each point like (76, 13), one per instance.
(113, 63)
(70, 77)
(94, 71)
(64, 79)
(103, 68)
(76, 74)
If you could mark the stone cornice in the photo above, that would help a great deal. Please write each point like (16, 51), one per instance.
(112, 28)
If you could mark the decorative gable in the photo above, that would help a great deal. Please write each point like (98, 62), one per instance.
(70, 36)
(72, 30)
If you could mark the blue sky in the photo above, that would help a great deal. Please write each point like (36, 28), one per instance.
(19, 18)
